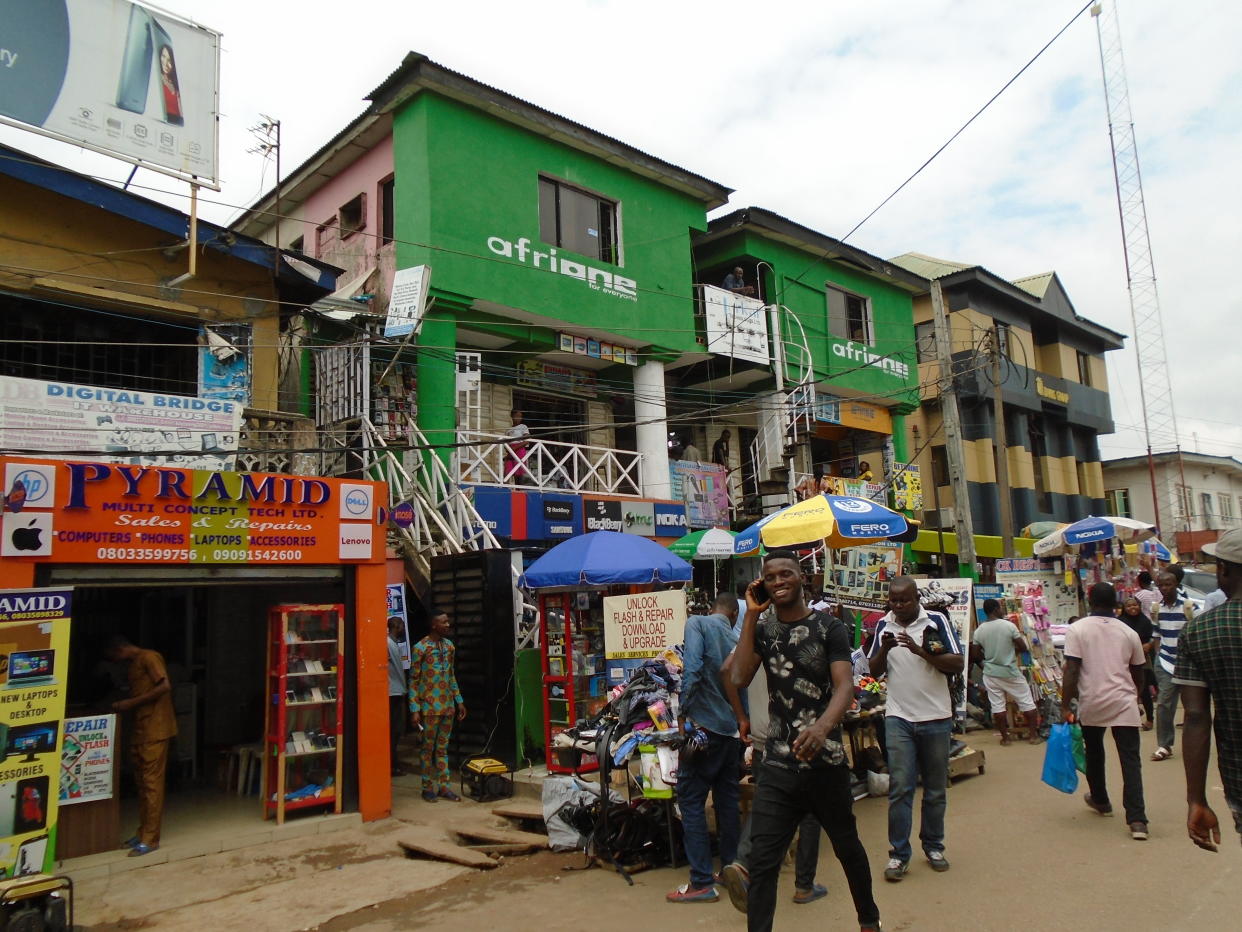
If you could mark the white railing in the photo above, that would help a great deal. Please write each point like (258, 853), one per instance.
(548, 465)
(445, 519)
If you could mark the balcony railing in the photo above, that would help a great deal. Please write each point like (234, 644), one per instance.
(547, 465)
(270, 440)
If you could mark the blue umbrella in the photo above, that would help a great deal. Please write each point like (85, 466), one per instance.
(605, 558)
(1092, 530)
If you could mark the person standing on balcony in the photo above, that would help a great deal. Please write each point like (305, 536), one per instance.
(689, 452)
(720, 450)
(736, 282)
(517, 449)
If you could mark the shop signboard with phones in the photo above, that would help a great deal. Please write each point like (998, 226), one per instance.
(34, 662)
(87, 759)
(117, 77)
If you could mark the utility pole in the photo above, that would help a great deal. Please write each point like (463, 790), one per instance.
(1000, 443)
(951, 413)
(267, 138)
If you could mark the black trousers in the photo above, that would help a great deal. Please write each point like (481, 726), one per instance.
(396, 719)
(783, 798)
(1127, 740)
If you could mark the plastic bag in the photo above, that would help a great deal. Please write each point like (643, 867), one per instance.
(1079, 749)
(1059, 770)
(877, 783)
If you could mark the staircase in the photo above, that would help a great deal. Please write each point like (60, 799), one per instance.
(785, 416)
(445, 520)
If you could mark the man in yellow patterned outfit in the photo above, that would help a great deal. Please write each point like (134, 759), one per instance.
(434, 699)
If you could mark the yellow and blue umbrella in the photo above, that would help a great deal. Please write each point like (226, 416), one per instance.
(838, 521)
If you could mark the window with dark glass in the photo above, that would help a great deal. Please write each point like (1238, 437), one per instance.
(570, 218)
(387, 216)
(925, 340)
(849, 316)
(1084, 368)
(353, 215)
(1002, 339)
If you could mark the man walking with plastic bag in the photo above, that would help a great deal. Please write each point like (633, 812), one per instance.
(1104, 671)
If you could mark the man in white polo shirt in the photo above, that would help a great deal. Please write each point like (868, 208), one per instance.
(919, 650)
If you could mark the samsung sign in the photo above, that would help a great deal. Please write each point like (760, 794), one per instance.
(115, 77)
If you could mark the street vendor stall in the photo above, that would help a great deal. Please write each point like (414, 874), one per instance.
(574, 580)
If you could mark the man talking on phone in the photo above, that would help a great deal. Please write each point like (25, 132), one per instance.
(810, 687)
(919, 650)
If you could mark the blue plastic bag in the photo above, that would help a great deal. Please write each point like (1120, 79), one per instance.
(1059, 770)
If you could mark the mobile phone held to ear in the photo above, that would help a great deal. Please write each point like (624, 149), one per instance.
(761, 593)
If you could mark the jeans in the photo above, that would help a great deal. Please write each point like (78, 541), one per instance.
(1126, 737)
(917, 749)
(783, 798)
(396, 718)
(716, 769)
(1166, 707)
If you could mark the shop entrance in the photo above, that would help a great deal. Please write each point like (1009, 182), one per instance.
(213, 637)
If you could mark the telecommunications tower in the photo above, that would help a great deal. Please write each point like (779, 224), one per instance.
(1155, 388)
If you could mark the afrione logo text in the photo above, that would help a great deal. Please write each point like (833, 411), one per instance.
(859, 352)
(595, 279)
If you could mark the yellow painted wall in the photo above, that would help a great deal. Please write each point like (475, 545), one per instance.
(60, 249)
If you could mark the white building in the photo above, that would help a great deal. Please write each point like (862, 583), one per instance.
(1200, 496)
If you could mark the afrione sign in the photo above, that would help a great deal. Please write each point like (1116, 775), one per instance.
(116, 77)
(75, 512)
(596, 279)
(858, 352)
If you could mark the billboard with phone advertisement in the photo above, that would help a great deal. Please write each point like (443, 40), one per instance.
(116, 77)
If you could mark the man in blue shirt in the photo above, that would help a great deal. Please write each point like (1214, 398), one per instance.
(709, 639)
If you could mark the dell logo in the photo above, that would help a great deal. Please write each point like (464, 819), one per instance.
(357, 502)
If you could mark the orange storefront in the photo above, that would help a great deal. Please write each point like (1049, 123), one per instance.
(191, 563)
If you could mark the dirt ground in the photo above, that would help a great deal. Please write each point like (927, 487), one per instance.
(1021, 853)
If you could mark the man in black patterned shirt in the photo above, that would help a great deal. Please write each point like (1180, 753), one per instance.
(806, 655)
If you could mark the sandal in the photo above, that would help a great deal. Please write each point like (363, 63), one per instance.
(1162, 754)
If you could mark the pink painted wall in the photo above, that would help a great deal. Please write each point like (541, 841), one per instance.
(361, 250)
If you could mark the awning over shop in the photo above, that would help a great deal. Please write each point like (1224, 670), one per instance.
(339, 305)
(985, 546)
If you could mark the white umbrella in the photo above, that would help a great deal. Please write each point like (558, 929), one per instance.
(1093, 530)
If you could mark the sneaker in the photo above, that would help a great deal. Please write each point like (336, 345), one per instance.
(896, 869)
(1138, 831)
(1092, 804)
(938, 861)
(736, 880)
(817, 892)
(688, 894)
(429, 796)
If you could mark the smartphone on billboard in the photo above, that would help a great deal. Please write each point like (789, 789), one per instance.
(166, 62)
(131, 92)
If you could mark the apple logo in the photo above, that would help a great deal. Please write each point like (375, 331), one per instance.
(28, 538)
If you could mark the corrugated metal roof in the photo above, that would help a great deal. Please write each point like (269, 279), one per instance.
(1035, 284)
(928, 266)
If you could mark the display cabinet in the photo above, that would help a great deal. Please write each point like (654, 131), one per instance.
(302, 762)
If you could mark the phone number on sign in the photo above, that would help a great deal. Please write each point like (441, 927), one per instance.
(277, 556)
(143, 553)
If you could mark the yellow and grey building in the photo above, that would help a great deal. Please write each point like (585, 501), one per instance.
(1055, 392)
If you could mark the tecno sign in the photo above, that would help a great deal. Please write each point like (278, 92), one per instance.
(595, 279)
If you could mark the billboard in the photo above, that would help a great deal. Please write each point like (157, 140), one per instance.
(736, 325)
(115, 77)
(120, 425)
(704, 487)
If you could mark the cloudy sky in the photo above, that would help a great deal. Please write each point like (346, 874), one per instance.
(817, 111)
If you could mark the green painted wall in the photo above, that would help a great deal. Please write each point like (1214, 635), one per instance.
(803, 291)
(464, 176)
